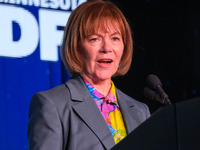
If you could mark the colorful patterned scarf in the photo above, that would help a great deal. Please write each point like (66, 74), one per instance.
(110, 110)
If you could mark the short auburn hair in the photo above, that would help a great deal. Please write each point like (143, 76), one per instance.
(85, 20)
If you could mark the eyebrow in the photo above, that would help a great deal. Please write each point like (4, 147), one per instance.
(114, 33)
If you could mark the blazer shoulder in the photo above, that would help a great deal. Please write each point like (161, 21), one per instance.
(131, 101)
(56, 95)
(127, 97)
(56, 91)
(61, 94)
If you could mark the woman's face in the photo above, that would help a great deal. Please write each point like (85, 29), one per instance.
(102, 53)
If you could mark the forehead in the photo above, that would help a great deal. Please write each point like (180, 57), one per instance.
(108, 27)
(105, 26)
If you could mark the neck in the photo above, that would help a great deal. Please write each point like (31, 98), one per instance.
(102, 86)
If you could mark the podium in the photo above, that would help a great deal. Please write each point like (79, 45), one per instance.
(173, 127)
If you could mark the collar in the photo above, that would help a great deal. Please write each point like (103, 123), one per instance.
(99, 98)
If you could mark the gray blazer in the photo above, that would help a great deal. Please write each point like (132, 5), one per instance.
(67, 118)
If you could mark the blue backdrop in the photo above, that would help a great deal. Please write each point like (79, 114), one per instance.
(30, 36)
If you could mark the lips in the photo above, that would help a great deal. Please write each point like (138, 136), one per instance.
(105, 61)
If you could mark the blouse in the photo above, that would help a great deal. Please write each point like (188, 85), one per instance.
(110, 110)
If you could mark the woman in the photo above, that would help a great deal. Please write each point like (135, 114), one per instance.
(88, 112)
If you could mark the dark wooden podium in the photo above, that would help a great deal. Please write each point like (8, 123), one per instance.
(174, 127)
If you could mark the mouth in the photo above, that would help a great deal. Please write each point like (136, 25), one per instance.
(105, 61)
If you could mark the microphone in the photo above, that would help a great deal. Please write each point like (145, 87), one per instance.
(150, 94)
(155, 91)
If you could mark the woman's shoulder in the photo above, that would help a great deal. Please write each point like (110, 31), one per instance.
(56, 96)
(57, 91)
(130, 100)
(60, 92)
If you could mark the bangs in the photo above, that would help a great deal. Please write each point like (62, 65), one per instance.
(104, 24)
(87, 19)
(104, 17)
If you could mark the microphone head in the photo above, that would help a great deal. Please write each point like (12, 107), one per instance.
(150, 94)
(153, 81)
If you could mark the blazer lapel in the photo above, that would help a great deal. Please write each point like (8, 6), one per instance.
(129, 111)
(86, 108)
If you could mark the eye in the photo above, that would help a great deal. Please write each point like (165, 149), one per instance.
(116, 38)
(93, 38)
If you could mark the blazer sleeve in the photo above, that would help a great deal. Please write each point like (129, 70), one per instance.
(44, 127)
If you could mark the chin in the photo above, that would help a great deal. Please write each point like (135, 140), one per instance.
(105, 76)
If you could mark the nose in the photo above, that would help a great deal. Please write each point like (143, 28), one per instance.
(106, 46)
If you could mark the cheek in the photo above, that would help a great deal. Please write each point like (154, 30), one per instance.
(85, 53)
(89, 59)
(120, 53)
(88, 52)
(85, 58)
(121, 49)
